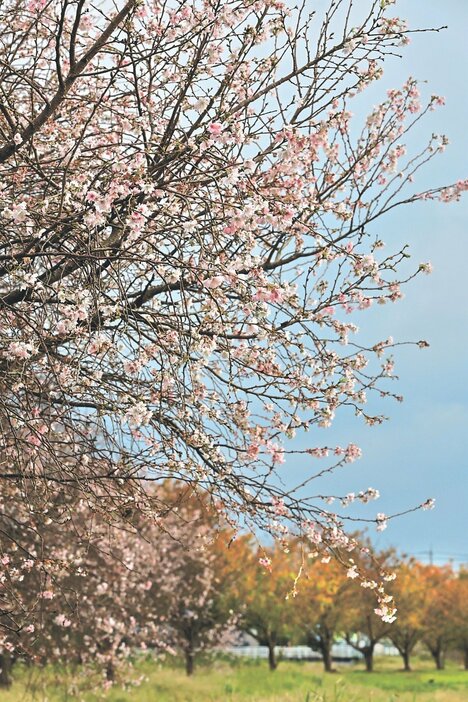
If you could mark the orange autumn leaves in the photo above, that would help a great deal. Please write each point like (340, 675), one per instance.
(285, 599)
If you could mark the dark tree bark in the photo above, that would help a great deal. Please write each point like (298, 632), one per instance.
(5, 670)
(439, 660)
(405, 654)
(437, 654)
(366, 649)
(405, 645)
(272, 662)
(327, 659)
(189, 662)
(322, 642)
(110, 670)
(368, 653)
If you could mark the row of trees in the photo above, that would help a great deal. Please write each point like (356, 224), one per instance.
(188, 588)
(432, 606)
(86, 590)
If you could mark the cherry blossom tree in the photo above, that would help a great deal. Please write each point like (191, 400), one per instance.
(74, 588)
(188, 219)
(191, 577)
(88, 591)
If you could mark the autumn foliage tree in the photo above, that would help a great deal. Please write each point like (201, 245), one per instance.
(363, 630)
(89, 592)
(321, 607)
(437, 630)
(265, 606)
(409, 589)
(452, 613)
(186, 229)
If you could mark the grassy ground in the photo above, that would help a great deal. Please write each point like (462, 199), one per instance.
(252, 682)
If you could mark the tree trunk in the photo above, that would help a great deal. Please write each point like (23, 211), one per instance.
(466, 658)
(368, 653)
(406, 661)
(5, 669)
(327, 658)
(272, 662)
(438, 657)
(189, 662)
(110, 670)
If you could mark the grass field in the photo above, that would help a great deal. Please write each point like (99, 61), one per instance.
(252, 682)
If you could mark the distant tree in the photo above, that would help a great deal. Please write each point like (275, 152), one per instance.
(91, 591)
(410, 591)
(267, 614)
(439, 611)
(73, 587)
(321, 607)
(363, 630)
(457, 613)
(191, 576)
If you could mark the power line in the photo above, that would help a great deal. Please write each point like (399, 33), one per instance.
(440, 556)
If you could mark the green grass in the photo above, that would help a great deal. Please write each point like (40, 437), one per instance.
(249, 681)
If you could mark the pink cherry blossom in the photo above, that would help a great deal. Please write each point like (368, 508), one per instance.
(215, 128)
(214, 282)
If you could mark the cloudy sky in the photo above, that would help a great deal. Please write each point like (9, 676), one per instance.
(421, 451)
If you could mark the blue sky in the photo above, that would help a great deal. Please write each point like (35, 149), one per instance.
(420, 452)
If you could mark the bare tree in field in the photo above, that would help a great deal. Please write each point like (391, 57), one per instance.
(187, 223)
